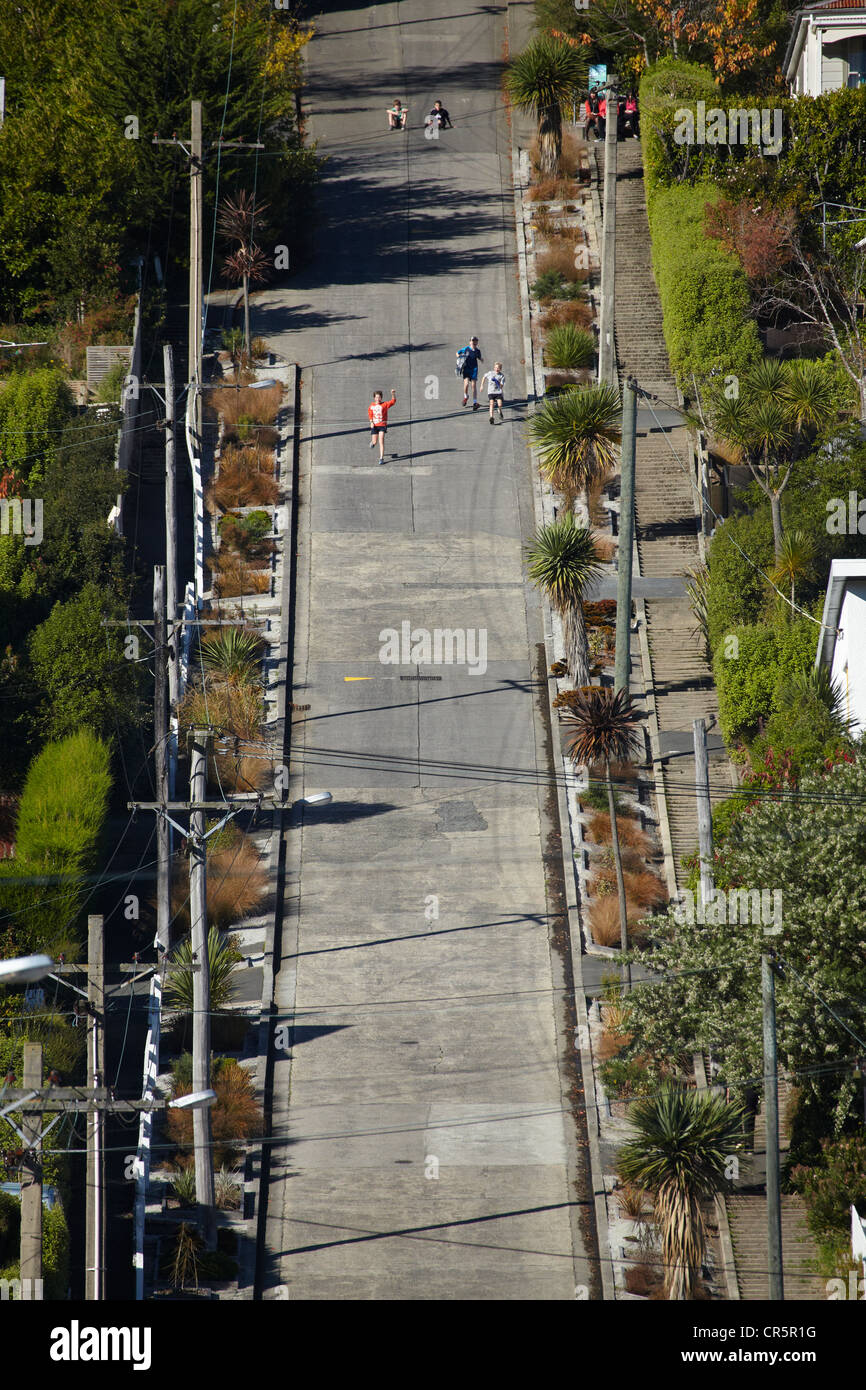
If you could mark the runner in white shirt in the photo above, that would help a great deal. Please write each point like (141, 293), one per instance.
(495, 387)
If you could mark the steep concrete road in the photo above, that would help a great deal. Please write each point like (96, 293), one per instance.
(425, 994)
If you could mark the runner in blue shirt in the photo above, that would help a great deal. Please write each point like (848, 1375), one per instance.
(470, 357)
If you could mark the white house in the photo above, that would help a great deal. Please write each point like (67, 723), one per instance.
(842, 643)
(827, 48)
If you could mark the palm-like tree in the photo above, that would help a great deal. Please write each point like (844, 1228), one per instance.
(780, 410)
(541, 80)
(602, 727)
(577, 435)
(795, 560)
(222, 957)
(233, 654)
(683, 1142)
(563, 560)
(247, 264)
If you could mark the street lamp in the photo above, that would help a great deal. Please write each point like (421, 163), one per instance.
(25, 968)
(196, 1100)
(316, 799)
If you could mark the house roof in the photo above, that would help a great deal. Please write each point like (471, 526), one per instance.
(819, 8)
(840, 573)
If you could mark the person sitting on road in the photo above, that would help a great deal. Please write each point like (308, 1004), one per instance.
(397, 114)
(439, 117)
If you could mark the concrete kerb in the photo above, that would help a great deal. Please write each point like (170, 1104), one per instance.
(267, 1069)
(543, 498)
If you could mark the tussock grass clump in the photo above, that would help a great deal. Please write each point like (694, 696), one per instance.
(244, 403)
(560, 260)
(234, 576)
(576, 311)
(246, 478)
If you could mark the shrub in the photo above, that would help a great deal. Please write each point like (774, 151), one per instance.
(64, 803)
(235, 577)
(223, 956)
(245, 477)
(829, 1189)
(624, 1077)
(245, 534)
(604, 611)
(246, 405)
(237, 882)
(706, 305)
(80, 666)
(604, 921)
(767, 655)
(228, 1191)
(233, 653)
(568, 346)
(547, 286)
(236, 709)
(183, 1186)
(595, 797)
(235, 1115)
(34, 407)
(736, 594)
(560, 260)
(578, 312)
(630, 835)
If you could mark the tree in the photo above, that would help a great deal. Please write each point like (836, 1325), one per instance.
(680, 1152)
(563, 560)
(602, 727)
(706, 979)
(247, 264)
(795, 561)
(34, 407)
(823, 286)
(541, 80)
(577, 435)
(773, 421)
(223, 956)
(86, 680)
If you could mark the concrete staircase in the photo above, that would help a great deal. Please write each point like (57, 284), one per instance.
(666, 521)
(747, 1217)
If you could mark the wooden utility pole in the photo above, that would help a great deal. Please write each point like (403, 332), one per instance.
(160, 738)
(171, 528)
(204, 1181)
(31, 1172)
(196, 190)
(606, 342)
(771, 1114)
(95, 1219)
(705, 817)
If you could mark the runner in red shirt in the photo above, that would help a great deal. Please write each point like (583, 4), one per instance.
(378, 413)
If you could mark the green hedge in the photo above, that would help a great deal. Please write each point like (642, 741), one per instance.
(60, 819)
(64, 803)
(748, 682)
(55, 1253)
(737, 594)
(704, 293)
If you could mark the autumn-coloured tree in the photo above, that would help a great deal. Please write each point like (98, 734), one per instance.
(759, 236)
